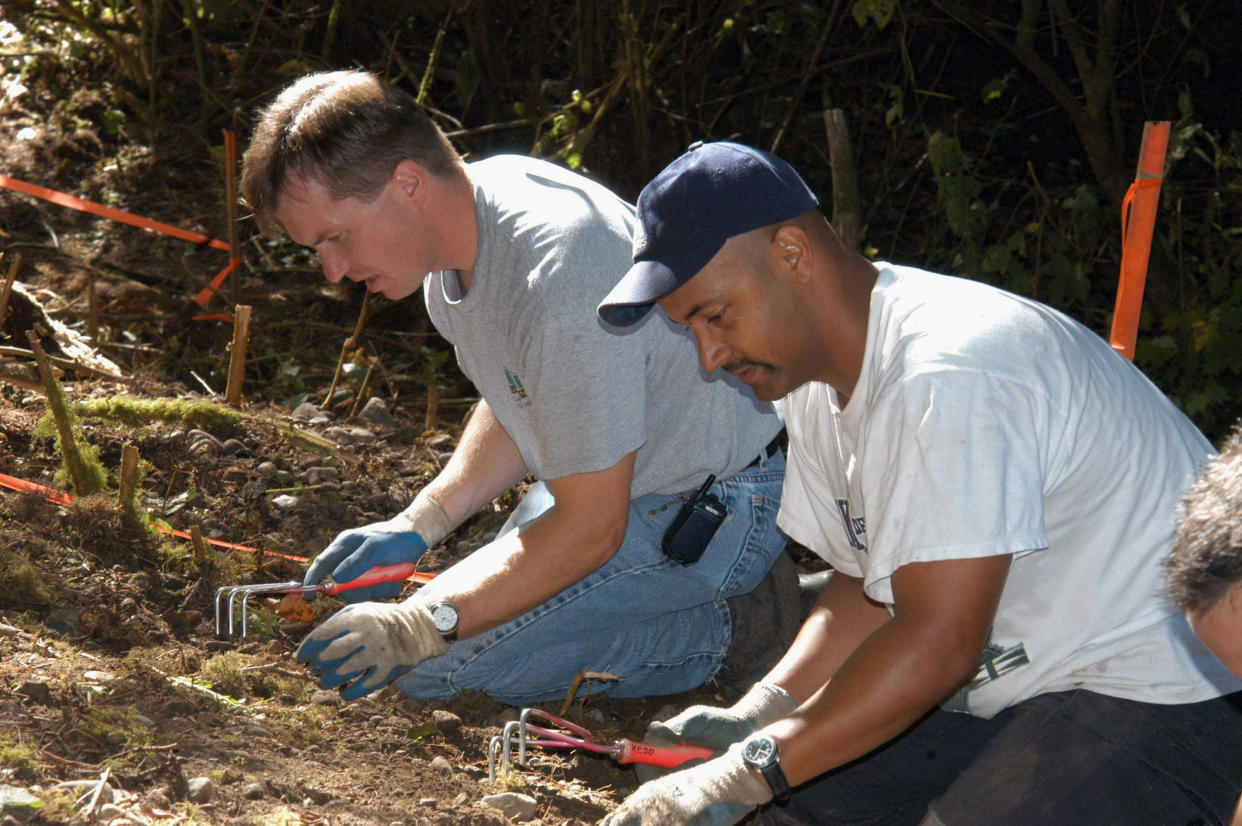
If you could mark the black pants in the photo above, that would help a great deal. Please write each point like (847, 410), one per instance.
(1055, 760)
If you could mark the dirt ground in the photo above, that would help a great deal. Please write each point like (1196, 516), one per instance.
(119, 703)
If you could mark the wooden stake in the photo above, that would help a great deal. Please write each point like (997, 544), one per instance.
(230, 201)
(7, 288)
(59, 405)
(432, 414)
(348, 343)
(128, 479)
(92, 310)
(200, 546)
(846, 203)
(237, 359)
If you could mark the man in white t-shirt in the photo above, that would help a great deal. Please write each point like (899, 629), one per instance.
(995, 489)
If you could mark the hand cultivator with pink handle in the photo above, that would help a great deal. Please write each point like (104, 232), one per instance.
(554, 733)
(230, 594)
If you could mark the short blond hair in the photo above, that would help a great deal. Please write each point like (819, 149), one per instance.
(345, 130)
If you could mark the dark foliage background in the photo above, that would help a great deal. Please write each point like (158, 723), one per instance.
(992, 139)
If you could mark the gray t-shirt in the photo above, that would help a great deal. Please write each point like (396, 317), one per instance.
(573, 394)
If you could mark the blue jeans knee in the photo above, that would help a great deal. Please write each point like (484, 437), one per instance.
(656, 625)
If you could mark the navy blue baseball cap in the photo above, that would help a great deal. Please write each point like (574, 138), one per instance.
(711, 193)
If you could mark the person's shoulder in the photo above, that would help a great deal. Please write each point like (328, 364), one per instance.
(934, 315)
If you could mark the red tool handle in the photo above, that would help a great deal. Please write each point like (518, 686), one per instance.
(378, 574)
(666, 757)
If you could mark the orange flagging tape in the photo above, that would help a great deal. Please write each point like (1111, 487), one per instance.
(59, 497)
(82, 205)
(205, 294)
(1138, 224)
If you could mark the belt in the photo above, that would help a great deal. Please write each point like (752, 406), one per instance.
(768, 452)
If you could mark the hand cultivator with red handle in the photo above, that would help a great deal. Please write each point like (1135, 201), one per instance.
(230, 593)
(554, 733)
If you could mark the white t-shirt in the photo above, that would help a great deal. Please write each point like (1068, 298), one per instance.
(984, 424)
(574, 395)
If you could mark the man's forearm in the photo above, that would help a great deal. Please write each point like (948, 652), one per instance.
(896, 675)
(485, 464)
(842, 618)
(517, 572)
(943, 614)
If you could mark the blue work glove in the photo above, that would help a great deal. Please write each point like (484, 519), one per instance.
(718, 728)
(404, 538)
(719, 792)
(365, 647)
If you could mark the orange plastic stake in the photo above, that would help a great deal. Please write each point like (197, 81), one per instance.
(1138, 223)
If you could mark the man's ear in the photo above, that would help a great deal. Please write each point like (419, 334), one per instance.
(792, 252)
(411, 179)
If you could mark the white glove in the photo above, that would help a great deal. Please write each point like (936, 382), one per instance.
(719, 792)
(370, 644)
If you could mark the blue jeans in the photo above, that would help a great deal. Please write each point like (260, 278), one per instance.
(659, 626)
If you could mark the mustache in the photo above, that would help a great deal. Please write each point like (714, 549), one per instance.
(742, 364)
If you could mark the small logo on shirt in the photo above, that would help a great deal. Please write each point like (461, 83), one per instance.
(994, 663)
(515, 386)
(855, 526)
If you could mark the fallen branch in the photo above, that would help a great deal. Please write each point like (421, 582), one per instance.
(63, 364)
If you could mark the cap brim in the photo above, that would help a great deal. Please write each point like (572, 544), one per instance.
(629, 302)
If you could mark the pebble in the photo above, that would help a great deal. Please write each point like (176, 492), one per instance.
(306, 411)
(159, 798)
(667, 712)
(85, 789)
(286, 502)
(253, 791)
(36, 692)
(446, 721)
(376, 412)
(441, 441)
(440, 764)
(324, 697)
(268, 470)
(513, 805)
(430, 802)
(321, 475)
(361, 436)
(64, 620)
(200, 790)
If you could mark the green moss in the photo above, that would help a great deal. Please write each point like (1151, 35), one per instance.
(21, 584)
(117, 728)
(21, 759)
(139, 412)
(196, 413)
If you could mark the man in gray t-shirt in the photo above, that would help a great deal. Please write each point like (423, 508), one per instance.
(619, 430)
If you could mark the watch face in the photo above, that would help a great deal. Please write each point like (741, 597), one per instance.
(444, 617)
(759, 750)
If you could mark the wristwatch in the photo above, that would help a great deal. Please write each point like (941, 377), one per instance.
(761, 754)
(445, 618)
